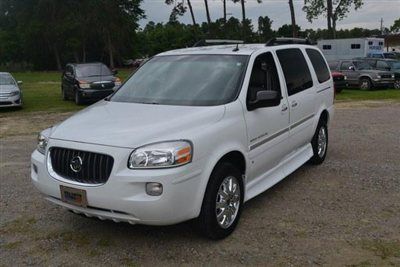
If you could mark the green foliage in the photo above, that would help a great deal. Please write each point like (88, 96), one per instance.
(396, 26)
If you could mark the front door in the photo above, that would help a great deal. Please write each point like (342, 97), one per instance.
(267, 127)
(348, 69)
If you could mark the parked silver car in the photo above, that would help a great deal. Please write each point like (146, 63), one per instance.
(10, 93)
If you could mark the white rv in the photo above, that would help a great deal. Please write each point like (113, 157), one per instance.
(335, 49)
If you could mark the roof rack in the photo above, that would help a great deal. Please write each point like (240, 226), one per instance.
(207, 42)
(284, 41)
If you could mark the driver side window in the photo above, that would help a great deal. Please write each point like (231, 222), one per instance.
(264, 77)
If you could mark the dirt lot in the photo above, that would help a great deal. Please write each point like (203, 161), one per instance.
(344, 212)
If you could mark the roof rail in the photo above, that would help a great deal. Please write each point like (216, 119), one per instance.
(207, 42)
(284, 41)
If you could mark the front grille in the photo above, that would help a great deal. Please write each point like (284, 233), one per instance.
(81, 166)
(5, 94)
(386, 76)
(6, 103)
(338, 78)
(102, 85)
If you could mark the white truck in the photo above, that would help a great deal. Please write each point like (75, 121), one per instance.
(340, 49)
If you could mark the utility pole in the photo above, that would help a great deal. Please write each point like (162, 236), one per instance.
(381, 26)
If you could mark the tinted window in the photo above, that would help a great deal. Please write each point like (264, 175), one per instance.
(382, 65)
(333, 65)
(362, 65)
(355, 46)
(295, 69)
(346, 65)
(319, 65)
(90, 70)
(264, 76)
(190, 80)
(327, 47)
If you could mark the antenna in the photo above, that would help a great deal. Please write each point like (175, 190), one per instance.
(236, 48)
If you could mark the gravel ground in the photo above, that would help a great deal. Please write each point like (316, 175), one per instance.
(344, 212)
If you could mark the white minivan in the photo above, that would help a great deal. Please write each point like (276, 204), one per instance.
(194, 133)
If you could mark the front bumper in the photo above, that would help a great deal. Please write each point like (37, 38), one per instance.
(94, 94)
(123, 196)
(12, 101)
(383, 82)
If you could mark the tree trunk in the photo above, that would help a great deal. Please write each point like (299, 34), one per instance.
(293, 17)
(191, 12)
(110, 50)
(84, 53)
(243, 11)
(208, 12)
(224, 4)
(334, 27)
(329, 17)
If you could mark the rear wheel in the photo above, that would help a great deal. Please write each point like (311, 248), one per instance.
(222, 204)
(320, 143)
(365, 84)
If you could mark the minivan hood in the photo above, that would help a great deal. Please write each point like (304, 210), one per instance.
(97, 78)
(132, 125)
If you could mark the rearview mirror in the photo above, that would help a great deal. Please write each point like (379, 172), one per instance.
(265, 98)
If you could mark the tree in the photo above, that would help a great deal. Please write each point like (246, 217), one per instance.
(224, 8)
(265, 28)
(293, 18)
(396, 26)
(180, 9)
(207, 12)
(334, 10)
(242, 3)
(286, 30)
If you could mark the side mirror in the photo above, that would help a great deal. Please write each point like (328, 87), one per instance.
(352, 68)
(69, 74)
(114, 71)
(265, 99)
(19, 82)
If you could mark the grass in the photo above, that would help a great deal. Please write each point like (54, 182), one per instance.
(41, 92)
(358, 95)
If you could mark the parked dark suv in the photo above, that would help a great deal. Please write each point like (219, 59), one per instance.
(88, 82)
(359, 73)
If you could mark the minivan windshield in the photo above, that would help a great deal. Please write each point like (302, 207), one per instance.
(190, 80)
(89, 70)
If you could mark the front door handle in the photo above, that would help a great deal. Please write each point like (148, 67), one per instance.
(294, 104)
(284, 108)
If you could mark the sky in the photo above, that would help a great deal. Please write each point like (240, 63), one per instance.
(368, 16)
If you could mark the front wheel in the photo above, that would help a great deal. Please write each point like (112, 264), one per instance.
(78, 98)
(365, 84)
(397, 84)
(320, 143)
(222, 204)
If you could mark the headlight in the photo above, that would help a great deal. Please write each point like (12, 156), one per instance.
(378, 76)
(392, 76)
(345, 78)
(84, 85)
(117, 82)
(42, 143)
(161, 155)
(14, 93)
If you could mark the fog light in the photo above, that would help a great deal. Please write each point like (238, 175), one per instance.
(154, 189)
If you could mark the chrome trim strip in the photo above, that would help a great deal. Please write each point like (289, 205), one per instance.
(321, 90)
(275, 135)
(254, 146)
(294, 125)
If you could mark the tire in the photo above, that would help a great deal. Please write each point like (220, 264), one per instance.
(397, 84)
(78, 99)
(320, 143)
(365, 84)
(64, 94)
(339, 90)
(211, 221)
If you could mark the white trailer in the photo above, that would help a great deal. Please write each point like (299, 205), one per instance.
(335, 49)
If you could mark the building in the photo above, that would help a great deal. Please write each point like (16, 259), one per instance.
(335, 49)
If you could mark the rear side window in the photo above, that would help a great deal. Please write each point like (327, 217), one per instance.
(319, 65)
(296, 71)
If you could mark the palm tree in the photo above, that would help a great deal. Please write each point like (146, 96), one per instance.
(224, 5)
(191, 12)
(293, 17)
(208, 12)
(244, 9)
(180, 9)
